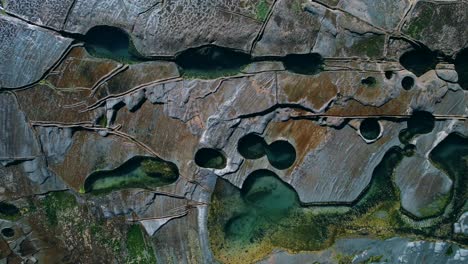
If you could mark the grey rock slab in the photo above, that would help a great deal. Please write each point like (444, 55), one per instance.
(55, 142)
(289, 30)
(86, 14)
(461, 225)
(176, 25)
(385, 14)
(448, 75)
(440, 26)
(27, 52)
(17, 139)
(318, 178)
(422, 186)
(49, 13)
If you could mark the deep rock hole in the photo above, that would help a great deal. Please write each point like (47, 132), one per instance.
(281, 154)
(8, 209)
(370, 128)
(420, 122)
(251, 146)
(210, 158)
(419, 60)
(8, 232)
(407, 83)
(369, 81)
(461, 67)
(110, 42)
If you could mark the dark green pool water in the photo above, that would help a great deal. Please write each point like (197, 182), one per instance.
(138, 172)
(210, 158)
(211, 62)
(420, 122)
(419, 61)
(281, 154)
(252, 146)
(8, 232)
(461, 66)
(8, 209)
(309, 64)
(110, 43)
(370, 128)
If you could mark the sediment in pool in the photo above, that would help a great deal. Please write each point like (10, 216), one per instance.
(137, 172)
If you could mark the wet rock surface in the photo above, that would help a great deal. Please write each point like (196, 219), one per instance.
(233, 131)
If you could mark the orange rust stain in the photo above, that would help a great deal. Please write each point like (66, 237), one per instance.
(317, 90)
(169, 137)
(79, 70)
(304, 134)
(369, 93)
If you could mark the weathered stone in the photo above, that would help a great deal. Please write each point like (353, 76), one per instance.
(45, 13)
(24, 62)
(288, 30)
(447, 33)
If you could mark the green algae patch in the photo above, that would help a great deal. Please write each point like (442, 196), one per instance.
(55, 203)
(436, 207)
(137, 172)
(139, 249)
(248, 224)
(420, 22)
(261, 10)
(371, 46)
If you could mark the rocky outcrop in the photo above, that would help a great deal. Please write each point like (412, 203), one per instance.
(24, 62)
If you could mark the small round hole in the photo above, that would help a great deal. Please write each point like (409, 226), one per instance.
(281, 154)
(388, 75)
(369, 81)
(8, 232)
(407, 83)
(370, 129)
